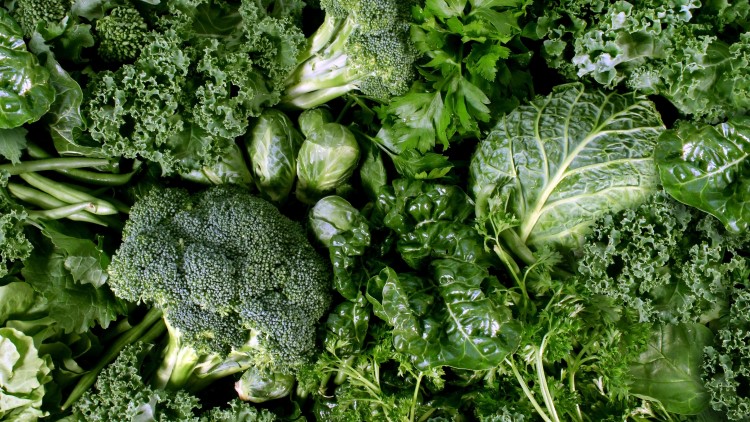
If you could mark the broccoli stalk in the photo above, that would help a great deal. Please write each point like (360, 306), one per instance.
(361, 45)
(183, 367)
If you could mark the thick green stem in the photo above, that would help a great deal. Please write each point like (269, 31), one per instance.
(527, 391)
(151, 324)
(53, 164)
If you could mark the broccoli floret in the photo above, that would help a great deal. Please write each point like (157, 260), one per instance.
(361, 45)
(30, 13)
(122, 34)
(230, 272)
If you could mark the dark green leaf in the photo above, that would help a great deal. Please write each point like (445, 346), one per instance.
(669, 371)
(12, 143)
(707, 167)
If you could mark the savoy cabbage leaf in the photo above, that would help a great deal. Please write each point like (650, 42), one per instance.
(560, 162)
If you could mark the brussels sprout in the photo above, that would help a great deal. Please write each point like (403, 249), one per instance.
(260, 385)
(230, 169)
(326, 160)
(25, 92)
(309, 120)
(272, 146)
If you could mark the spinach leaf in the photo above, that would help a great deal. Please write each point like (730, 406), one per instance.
(706, 167)
(25, 92)
(446, 320)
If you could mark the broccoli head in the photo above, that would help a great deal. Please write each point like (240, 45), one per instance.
(362, 45)
(228, 270)
(122, 34)
(30, 13)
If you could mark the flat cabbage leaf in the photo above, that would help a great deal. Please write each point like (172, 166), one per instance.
(707, 167)
(560, 162)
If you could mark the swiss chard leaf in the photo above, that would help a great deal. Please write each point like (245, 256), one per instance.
(562, 161)
(707, 167)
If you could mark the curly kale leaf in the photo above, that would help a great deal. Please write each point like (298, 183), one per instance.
(208, 68)
(675, 48)
(667, 262)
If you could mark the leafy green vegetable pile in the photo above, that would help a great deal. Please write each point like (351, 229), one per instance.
(374, 210)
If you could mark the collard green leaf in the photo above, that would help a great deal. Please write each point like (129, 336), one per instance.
(669, 371)
(447, 320)
(25, 92)
(707, 167)
(562, 161)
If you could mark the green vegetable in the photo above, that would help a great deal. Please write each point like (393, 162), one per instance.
(344, 231)
(23, 375)
(473, 72)
(669, 371)
(259, 385)
(362, 45)
(30, 14)
(194, 85)
(664, 261)
(122, 390)
(25, 92)
(122, 34)
(230, 273)
(689, 52)
(273, 145)
(706, 166)
(326, 160)
(557, 164)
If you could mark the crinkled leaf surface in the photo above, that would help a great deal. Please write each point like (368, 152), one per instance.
(25, 93)
(707, 167)
(446, 321)
(562, 161)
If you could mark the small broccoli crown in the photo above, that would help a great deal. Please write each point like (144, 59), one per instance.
(384, 59)
(221, 263)
(369, 15)
(30, 13)
(122, 34)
